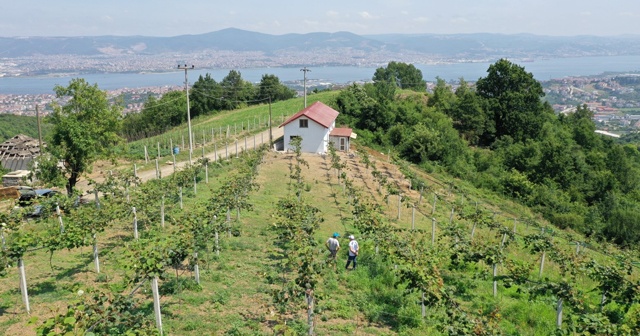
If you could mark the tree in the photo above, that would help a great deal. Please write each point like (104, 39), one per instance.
(205, 96)
(403, 75)
(84, 129)
(270, 87)
(443, 97)
(514, 102)
(236, 91)
(468, 116)
(157, 116)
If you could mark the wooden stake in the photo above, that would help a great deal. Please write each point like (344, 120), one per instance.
(310, 305)
(217, 244)
(156, 303)
(559, 314)
(23, 285)
(59, 218)
(196, 268)
(135, 223)
(413, 218)
(495, 280)
(433, 230)
(96, 259)
(162, 211)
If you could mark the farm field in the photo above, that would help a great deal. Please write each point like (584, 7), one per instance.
(235, 243)
(236, 291)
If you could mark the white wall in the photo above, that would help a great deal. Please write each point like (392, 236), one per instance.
(314, 138)
(336, 143)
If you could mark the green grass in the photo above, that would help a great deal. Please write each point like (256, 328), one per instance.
(234, 296)
(236, 122)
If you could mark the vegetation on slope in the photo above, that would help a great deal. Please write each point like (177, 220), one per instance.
(501, 136)
(12, 125)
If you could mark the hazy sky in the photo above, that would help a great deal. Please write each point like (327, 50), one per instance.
(171, 18)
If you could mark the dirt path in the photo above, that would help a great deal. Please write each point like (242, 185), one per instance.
(166, 168)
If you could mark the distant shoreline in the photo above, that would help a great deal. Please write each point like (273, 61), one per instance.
(544, 69)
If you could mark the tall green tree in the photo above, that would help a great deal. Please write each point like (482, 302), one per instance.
(469, 118)
(205, 96)
(236, 92)
(84, 129)
(271, 87)
(443, 97)
(402, 75)
(514, 102)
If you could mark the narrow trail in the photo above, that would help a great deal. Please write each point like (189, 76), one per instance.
(166, 165)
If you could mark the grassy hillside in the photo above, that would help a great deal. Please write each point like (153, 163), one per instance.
(237, 293)
(244, 121)
(419, 234)
(12, 125)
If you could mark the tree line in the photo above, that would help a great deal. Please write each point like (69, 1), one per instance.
(206, 97)
(500, 135)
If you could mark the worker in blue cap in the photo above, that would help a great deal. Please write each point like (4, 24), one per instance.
(333, 245)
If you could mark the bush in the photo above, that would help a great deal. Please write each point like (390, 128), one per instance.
(568, 220)
(177, 285)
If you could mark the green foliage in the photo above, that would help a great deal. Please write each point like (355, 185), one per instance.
(100, 313)
(84, 129)
(557, 165)
(402, 75)
(12, 125)
(513, 99)
(157, 116)
(270, 87)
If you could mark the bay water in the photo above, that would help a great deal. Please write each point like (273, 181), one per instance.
(542, 70)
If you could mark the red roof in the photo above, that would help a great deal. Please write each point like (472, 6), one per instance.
(341, 132)
(318, 112)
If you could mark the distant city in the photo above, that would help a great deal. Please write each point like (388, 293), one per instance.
(572, 70)
(614, 98)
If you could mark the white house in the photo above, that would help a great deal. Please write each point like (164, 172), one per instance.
(313, 124)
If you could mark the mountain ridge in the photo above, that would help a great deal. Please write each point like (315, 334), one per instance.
(476, 45)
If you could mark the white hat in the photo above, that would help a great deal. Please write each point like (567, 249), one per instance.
(352, 237)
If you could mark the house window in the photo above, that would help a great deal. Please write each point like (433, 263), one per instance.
(304, 123)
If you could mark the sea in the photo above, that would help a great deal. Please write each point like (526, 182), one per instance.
(542, 69)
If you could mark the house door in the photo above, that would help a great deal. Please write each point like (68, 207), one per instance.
(343, 144)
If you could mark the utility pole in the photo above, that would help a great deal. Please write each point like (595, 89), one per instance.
(186, 86)
(305, 70)
(39, 130)
(270, 134)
